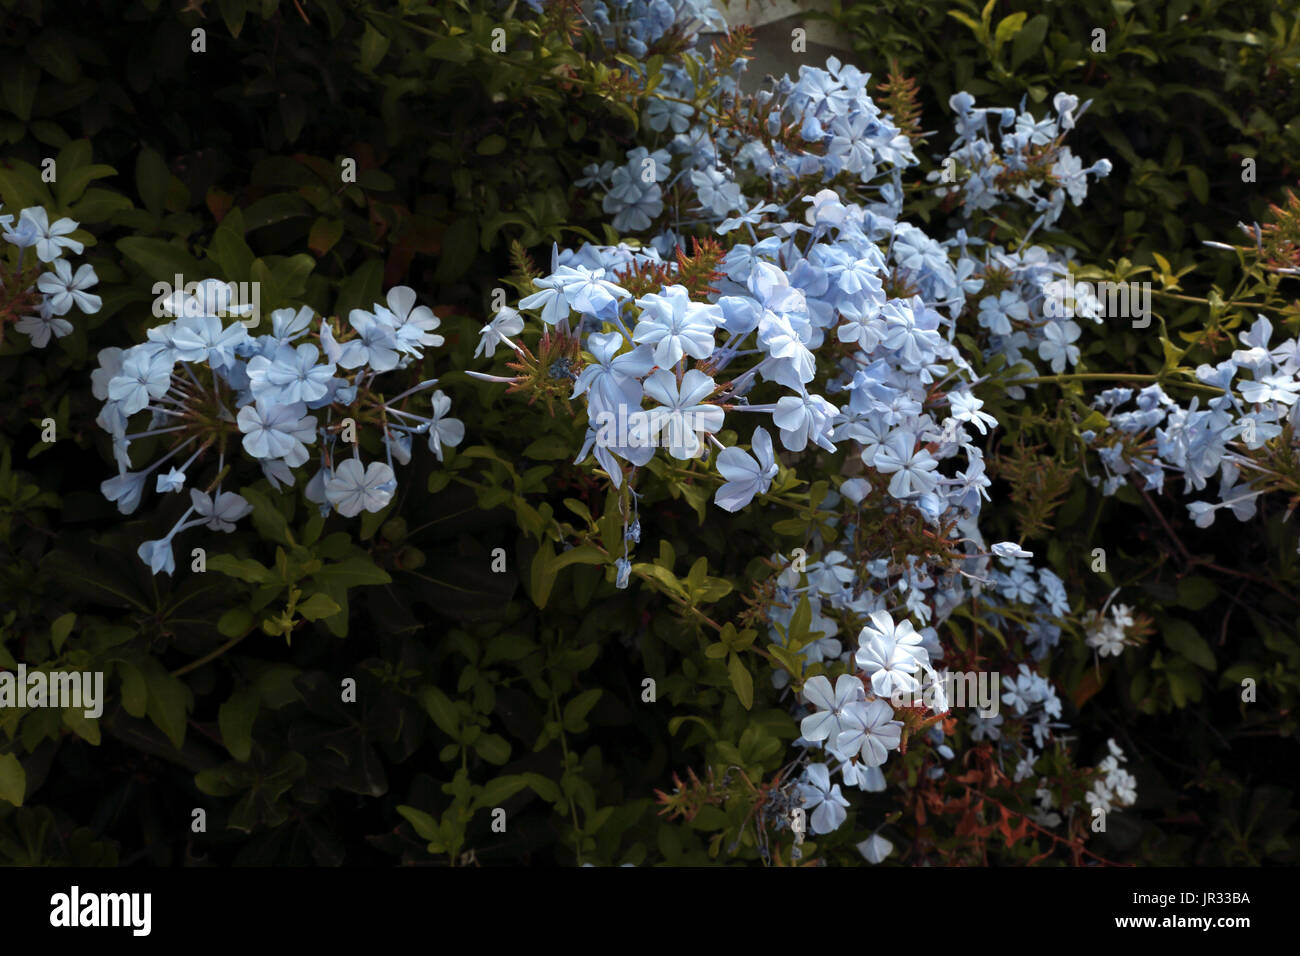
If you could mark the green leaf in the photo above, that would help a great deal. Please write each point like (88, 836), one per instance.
(267, 518)
(548, 448)
(1172, 353)
(676, 722)
(235, 621)
(245, 569)
(235, 718)
(452, 49)
(169, 703)
(544, 787)
(958, 15)
(13, 780)
(290, 274)
(493, 748)
(161, 261)
(1196, 592)
(318, 606)
(507, 647)
(800, 622)
(135, 691)
(425, 826)
(741, 680)
(442, 710)
(324, 235)
(60, 630)
(575, 711)
(68, 189)
(459, 247)
(96, 205)
(355, 571)
(501, 789)
(18, 87)
(1182, 637)
(151, 179)
(232, 12)
(361, 289)
(229, 250)
(1029, 40)
(277, 207)
(1008, 27)
(547, 565)
(87, 728)
(373, 47)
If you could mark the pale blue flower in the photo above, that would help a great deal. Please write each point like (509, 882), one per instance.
(49, 240)
(202, 338)
(412, 325)
(173, 480)
(504, 324)
(683, 414)
(823, 798)
(676, 326)
(612, 379)
(277, 431)
(746, 475)
(871, 734)
(64, 289)
(158, 555)
(289, 375)
(146, 374)
(831, 707)
(378, 345)
(443, 430)
(42, 324)
(354, 488)
(891, 654)
(221, 510)
(912, 466)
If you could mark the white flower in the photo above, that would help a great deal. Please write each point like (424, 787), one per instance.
(875, 849)
(50, 240)
(804, 417)
(277, 431)
(832, 709)
(222, 511)
(676, 326)
(412, 325)
(506, 323)
(872, 733)
(746, 476)
(683, 414)
(912, 467)
(40, 326)
(64, 289)
(1057, 347)
(1009, 549)
(891, 654)
(818, 792)
(354, 488)
(173, 480)
(443, 430)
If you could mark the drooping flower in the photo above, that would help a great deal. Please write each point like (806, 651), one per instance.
(746, 475)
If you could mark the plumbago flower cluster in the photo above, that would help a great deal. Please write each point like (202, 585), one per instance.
(828, 331)
(203, 394)
(38, 287)
(1246, 435)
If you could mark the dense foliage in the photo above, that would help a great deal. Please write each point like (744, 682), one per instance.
(807, 403)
